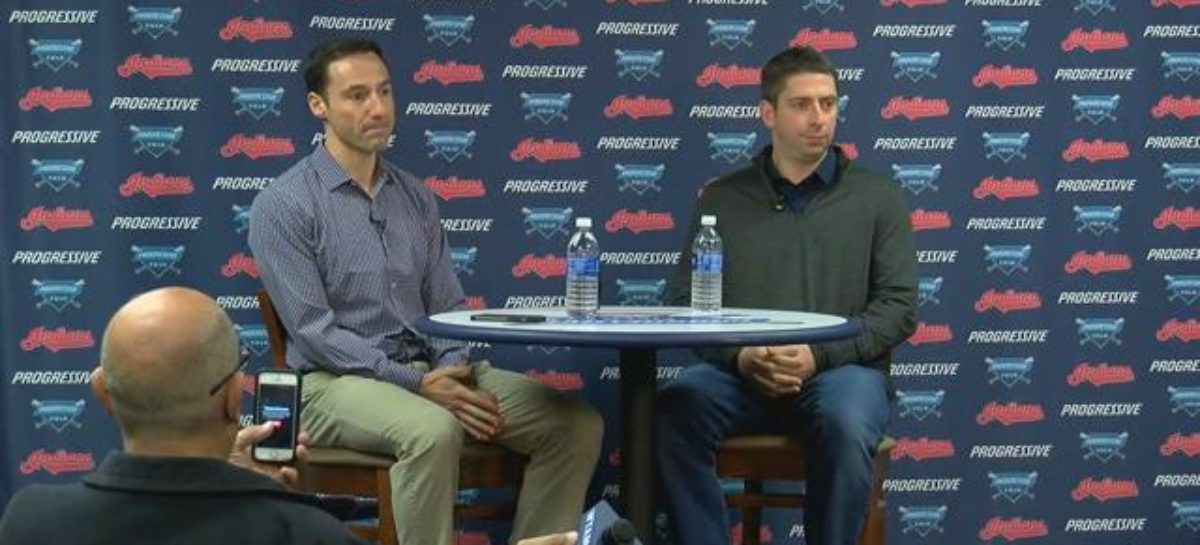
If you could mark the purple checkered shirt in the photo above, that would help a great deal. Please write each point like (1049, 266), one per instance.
(350, 275)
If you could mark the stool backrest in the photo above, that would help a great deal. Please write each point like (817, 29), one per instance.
(276, 334)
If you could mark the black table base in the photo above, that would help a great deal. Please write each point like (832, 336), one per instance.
(639, 372)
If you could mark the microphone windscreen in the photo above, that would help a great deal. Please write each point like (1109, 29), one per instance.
(601, 525)
(620, 533)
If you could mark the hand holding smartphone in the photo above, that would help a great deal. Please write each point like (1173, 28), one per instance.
(277, 399)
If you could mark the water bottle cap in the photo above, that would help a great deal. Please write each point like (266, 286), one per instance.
(583, 222)
(708, 221)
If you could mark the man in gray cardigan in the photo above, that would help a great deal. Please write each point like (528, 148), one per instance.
(804, 228)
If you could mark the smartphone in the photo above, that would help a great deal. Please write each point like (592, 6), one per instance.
(277, 399)
(508, 318)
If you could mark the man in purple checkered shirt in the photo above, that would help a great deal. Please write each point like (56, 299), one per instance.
(352, 253)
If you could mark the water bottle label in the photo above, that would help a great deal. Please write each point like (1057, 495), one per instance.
(707, 262)
(583, 266)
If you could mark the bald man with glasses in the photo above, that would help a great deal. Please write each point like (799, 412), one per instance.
(171, 373)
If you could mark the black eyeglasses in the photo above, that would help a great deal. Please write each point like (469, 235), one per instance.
(242, 359)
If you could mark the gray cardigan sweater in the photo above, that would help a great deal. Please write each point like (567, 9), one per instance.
(849, 253)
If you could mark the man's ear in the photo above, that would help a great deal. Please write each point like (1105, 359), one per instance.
(316, 105)
(766, 112)
(100, 388)
(233, 397)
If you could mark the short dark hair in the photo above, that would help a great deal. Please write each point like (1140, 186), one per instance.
(792, 61)
(316, 69)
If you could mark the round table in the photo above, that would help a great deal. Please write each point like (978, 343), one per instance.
(638, 332)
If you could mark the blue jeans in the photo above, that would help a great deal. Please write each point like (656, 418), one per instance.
(840, 414)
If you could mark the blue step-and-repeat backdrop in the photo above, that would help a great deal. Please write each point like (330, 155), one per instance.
(1049, 149)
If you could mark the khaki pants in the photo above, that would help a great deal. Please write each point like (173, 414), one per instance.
(560, 433)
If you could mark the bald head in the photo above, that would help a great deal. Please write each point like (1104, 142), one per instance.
(162, 353)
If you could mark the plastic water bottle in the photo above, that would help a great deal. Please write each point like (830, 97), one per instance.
(706, 267)
(583, 271)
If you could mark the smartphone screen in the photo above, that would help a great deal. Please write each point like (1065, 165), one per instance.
(276, 400)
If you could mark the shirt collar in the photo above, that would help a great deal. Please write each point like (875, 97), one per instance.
(135, 473)
(332, 175)
(826, 172)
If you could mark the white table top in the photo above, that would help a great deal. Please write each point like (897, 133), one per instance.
(643, 326)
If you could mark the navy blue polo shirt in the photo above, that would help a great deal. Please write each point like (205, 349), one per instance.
(797, 196)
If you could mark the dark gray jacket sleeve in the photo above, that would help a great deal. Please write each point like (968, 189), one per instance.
(890, 316)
